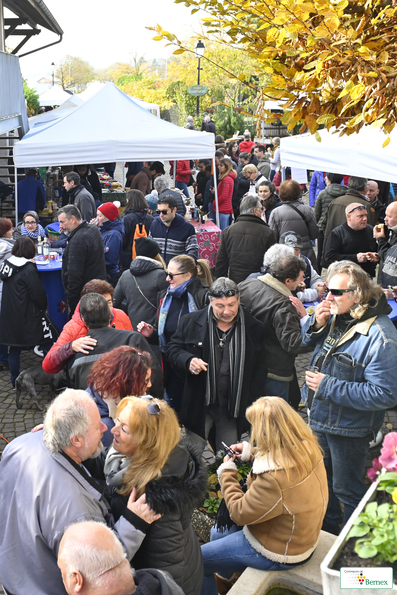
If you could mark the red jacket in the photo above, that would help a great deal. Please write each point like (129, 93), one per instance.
(62, 350)
(183, 170)
(245, 146)
(225, 194)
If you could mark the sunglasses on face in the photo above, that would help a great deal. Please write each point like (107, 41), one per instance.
(227, 293)
(172, 275)
(339, 292)
(360, 208)
(153, 406)
(162, 212)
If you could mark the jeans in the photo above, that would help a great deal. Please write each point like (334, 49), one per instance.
(224, 221)
(344, 460)
(276, 388)
(231, 552)
(183, 186)
(3, 354)
(211, 212)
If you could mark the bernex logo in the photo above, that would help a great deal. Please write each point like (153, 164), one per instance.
(367, 578)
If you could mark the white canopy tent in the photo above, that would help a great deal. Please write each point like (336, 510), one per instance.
(96, 86)
(54, 96)
(359, 154)
(110, 127)
(59, 112)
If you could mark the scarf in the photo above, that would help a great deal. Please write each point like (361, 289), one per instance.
(178, 292)
(32, 234)
(115, 466)
(237, 361)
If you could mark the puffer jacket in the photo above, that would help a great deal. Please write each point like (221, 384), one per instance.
(324, 198)
(112, 235)
(267, 299)
(131, 220)
(225, 193)
(317, 183)
(282, 517)
(360, 375)
(285, 218)
(56, 358)
(170, 543)
(183, 170)
(139, 287)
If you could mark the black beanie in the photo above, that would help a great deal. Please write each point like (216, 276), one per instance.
(146, 247)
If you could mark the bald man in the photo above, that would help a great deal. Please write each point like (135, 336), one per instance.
(373, 197)
(387, 248)
(92, 562)
(353, 240)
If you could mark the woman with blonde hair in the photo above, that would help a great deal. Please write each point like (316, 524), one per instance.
(204, 272)
(280, 515)
(227, 177)
(148, 456)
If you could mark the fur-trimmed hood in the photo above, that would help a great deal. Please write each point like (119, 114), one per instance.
(182, 484)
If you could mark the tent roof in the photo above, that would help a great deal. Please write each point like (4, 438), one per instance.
(110, 127)
(359, 154)
(54, 96)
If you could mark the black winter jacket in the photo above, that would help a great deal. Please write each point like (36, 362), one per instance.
(242, 248)
(192, 340)
(151, 278)
(83, 260)
(131, 220)
(23, 303)
(344, 243)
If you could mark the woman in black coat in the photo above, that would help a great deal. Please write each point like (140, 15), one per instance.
(24, 301)
(135, 213)
(267, 193)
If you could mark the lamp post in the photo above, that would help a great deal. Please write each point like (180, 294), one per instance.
(199, 52)
(53, 73)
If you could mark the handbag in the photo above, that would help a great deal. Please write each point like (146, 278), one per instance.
(142, 294)
(301, 215)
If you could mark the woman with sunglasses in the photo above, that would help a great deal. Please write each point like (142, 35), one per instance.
(121, 372)
(30, 227)
(276, 522)
(148, 456)
(185, 294)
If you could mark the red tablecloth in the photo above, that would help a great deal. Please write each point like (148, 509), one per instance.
(209, 239)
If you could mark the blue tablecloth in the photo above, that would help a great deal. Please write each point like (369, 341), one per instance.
(51, 278)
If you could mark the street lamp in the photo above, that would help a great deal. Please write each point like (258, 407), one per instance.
(53, 74)
(199, 52)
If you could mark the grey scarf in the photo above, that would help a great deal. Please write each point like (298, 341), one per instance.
(115, 466)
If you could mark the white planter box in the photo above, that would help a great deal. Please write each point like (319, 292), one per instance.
(330, 577)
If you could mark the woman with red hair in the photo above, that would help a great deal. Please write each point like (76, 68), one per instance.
(122, 372)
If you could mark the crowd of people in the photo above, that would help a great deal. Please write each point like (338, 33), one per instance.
(163, 355)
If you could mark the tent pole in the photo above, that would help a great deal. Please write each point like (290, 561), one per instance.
(216, 193)
(174, 172)
(16, 195)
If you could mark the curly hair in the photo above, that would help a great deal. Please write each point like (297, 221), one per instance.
(120, 372)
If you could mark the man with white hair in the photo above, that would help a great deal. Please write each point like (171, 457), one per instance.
(162, 187)
(45, 487)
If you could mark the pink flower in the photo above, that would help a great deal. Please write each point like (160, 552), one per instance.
(388, 457)
(373, 472)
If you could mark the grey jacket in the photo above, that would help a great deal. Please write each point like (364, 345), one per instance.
(84, 201)
(41, 494)
(264, 167)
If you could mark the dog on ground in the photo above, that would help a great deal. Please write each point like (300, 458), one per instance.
(28, 378)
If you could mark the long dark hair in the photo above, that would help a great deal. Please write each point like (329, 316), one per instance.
(136, 201)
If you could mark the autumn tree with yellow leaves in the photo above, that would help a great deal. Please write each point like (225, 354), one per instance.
(334, 62)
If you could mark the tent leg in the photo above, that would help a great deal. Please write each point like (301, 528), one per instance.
(16, 194)
(216, 194)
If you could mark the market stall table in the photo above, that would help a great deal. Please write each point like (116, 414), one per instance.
(208, 239)
(51, 278)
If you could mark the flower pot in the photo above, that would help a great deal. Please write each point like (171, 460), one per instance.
(330, 577)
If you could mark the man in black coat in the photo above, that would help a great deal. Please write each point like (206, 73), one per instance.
(84, 256)
(244, 243)
(218, 351)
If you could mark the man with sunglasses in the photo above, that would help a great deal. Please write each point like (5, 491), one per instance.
(355, 356)
(172, 232)
(219, 353)
(354, 240)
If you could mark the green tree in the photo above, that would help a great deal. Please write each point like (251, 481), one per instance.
(74, 73)
(229, 121)
(32, 99)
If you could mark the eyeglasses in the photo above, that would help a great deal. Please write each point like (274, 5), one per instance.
(172, 275)
(30, 222)
(154, 406)
(360, 208)
(227, 293)
(163, 212)
(339, 292)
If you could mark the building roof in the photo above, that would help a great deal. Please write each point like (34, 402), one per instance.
(35, 12)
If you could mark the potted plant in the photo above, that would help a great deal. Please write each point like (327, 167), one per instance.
(369, 538)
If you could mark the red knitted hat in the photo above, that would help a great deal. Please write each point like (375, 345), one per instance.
(110, 210)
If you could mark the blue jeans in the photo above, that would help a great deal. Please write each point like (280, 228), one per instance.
(276, 388)
(231, 552)
(183, 186)
(211, 212)
(344, 460)
(224, 221)
(3, 354)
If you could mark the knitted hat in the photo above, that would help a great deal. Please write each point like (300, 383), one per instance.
(110, 210)
(292, 239)
(152, 201)
(146, 247)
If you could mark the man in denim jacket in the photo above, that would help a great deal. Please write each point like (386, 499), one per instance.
(356, 355)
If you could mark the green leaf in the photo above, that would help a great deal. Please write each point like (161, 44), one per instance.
(318, 137)
(389, 475)
(384, 510)
(358, 530)
(326, 119)
(365, 551)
